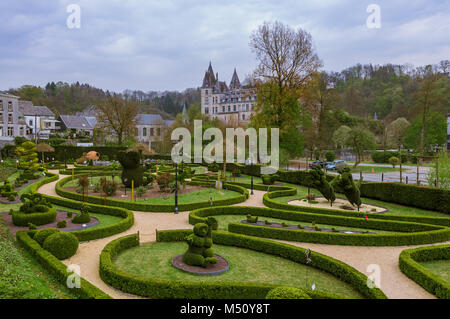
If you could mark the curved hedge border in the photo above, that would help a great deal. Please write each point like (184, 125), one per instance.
(269, 202)
(147, 207)
(56, 267)
(21, 219)
(415, 233)
(158, 288)
(97, 232)
(408, 264)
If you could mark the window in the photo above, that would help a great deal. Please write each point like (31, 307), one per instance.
(234, 108)
(206, 100)
(1, 105)
(206, 92)
(1, 118)
(206, 110)
(10, 108)
(229, 108)
(21, 131)
(158, 131)
(30, 122)
(243, 116)
(10, 118)
(144, 131)
(152, 131)
(10, 131)
(223, 108)
(246, 107)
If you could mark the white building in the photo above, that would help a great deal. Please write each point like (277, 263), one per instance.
(12, 122)
(40, 120)
(232, 103)
(151, 128)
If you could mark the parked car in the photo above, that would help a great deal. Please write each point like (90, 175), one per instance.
(317, 163)
(335, 165)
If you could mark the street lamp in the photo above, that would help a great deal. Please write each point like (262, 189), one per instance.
(176, 188)
(437, 148)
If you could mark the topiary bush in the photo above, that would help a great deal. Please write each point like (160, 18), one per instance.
(287, 293)
(269, 179)
(394, 161)
(62, 245)
(132, 169)
(322, 185)
(345, 183)
(83, 217)
(61, 224)
(330, 156)
(42, 234)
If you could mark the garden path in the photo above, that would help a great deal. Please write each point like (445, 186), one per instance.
(392, 281)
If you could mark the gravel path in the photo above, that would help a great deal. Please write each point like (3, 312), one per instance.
(393, 282)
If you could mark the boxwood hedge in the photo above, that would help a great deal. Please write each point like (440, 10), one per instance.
(148, 207)
(409, 233)
(21, 219)
(57, 268)
(409, 264)
(158, 288)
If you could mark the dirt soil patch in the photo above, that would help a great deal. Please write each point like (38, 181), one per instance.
(210, 270)
(61, 215)
(339, 204)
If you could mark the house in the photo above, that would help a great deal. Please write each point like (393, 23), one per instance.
(12, 122)
(40, 120)
(150, 128)
(78, 124)
(232, 103)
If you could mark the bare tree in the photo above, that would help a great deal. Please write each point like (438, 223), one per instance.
(286, 56)
(118, 115)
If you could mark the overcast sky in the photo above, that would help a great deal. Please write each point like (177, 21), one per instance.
(167, 44)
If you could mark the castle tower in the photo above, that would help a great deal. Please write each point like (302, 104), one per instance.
(235, 84)
(209, 81)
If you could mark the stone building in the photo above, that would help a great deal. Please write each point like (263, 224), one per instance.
(233, 103)
(12, 122)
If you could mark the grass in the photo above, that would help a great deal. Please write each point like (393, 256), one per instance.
(22, 277)
(224, 220)
(439, 267)
(154, 261)
(376, 169)
(198, 196)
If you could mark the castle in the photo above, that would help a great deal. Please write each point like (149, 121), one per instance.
(231, 104)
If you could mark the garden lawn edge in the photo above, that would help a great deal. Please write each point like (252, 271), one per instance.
(409, 264)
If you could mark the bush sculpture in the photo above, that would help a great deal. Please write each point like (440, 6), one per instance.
(132, 169)
(200, 252)
(83, 217)
(269, 179)
(346, 183)
(35, 209)
(62, 245)
(320, 182)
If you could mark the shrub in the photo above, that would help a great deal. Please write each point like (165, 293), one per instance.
(394, 161)
(131, 168)
(330, 156)
(83, 217)
(108, 187)
(287, 293)
(42, 234)
(164, 181)
(69, 214)
(11, 197)
(62, 245)
(140, 191)
(213, 167)
(252, 219)
(31, 226)
(322, 185)
(61, 224)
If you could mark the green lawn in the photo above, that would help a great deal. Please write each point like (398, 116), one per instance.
(439, 267)
(22, 277)
(224, 220)
(197, 196)
(154, 261)
(376, 169)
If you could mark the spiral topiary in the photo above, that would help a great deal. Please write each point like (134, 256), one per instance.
(287, 293)
(62, 245)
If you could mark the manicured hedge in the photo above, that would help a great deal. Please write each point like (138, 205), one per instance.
(147, 207)
(91, 233)
(21, 219)
(57, 268)
(269, 202)
(411, 195)
(328, 264)
(409, 264)
(158, 288)
(414, 233)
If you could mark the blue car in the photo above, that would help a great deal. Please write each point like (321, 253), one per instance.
(333, 165)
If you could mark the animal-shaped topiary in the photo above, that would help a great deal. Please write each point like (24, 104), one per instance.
(34, 203)
(213, 224)
(345, 183)
(132, 170)
(198, 247)
(252, 219)
(320, 182)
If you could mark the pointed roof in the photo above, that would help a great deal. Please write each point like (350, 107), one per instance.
(235, 83)
(209, 79)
